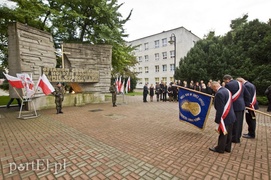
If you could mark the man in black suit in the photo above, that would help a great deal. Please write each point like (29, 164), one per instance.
(145, 92)
(250, 115)
(240, 97)
(224, 117)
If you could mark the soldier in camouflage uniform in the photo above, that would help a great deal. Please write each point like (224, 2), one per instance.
(59, 97)
(113, 91)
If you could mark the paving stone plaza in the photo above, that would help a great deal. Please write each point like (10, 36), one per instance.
(134, 140)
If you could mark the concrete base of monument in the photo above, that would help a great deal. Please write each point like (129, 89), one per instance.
(78, 99)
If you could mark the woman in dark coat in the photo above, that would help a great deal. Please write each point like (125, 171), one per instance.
(151, 92)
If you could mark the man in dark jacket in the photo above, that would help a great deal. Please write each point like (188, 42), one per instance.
(224, 117)
(145, 92)
(240, 98)
(250, 115)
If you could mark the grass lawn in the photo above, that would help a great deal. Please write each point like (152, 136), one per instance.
(5, 99)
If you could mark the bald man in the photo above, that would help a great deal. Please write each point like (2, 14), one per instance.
(224, 117)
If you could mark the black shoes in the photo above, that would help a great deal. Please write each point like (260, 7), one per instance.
(220, 152)
(248, 136)
(215, 150)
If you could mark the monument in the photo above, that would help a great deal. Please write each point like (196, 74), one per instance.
(86, 68)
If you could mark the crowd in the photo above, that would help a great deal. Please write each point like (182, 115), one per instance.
(169, 92)
(234, 99)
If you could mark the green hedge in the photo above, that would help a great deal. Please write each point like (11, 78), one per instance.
(262, 100)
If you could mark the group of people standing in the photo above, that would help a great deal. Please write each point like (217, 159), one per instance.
(162, 92)
(230, 103)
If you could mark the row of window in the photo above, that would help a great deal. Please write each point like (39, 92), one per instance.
(156, 79)
(156, 44)
(156, 56)
(157, 68)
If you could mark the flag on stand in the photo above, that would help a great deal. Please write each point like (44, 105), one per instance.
(119, 84)
(14, 81)
(194, 107)
(128, 86)
(122, 87)
(27, 83)
(45, 85)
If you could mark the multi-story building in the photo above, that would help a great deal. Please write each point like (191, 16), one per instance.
(156, 54)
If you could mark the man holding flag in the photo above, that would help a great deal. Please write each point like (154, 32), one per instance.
(240, 98)
(224, 117)
(250, 115)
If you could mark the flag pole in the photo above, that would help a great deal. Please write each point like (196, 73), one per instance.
(258, 111)
(213, 97)
(194, 91)
(17, 93)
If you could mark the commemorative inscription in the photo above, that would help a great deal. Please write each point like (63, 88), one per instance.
(71, 75)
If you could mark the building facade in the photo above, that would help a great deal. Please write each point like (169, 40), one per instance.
(156, 55)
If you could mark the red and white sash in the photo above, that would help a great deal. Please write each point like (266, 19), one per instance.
(227, 107)
(237, 94)
(254, 100)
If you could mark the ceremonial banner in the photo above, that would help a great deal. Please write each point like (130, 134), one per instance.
(194, 107)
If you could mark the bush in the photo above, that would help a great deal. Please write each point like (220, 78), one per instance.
(5, 85)
(262, 100)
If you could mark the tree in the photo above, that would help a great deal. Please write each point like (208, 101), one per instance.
(244, 51)
(82, 21)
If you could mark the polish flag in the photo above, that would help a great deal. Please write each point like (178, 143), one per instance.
(14, 81)
(128, 85)
(122, 87)
(45, 85)
(119, 84)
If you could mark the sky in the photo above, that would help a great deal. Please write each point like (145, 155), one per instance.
(199, 16)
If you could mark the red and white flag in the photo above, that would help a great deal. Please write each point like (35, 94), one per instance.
(122, 87)
(28, 84)
(45, 85)
(128, 85)
(14, 81)
(119, 84)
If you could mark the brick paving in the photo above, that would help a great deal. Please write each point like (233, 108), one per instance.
(135, 140)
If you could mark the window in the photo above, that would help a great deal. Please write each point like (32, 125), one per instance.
(140, 70)
(156, 44)
(164, 42)
(164, 54)
(139, 48)
(156, 55)
(146, 69)
(172, 67)
(164, 79)
(146, 58)
(146, 46)
(139, 80)
(146, 80)
(172, 54)
(156, 68)
(139, 58)
(171, 79)
(164, 67)
(156, 79)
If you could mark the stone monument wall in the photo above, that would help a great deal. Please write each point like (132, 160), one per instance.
(29, 49)
(32, 51)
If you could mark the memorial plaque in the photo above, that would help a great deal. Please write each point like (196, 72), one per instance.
(71, 75)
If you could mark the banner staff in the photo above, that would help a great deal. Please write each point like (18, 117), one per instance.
(213, 97)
